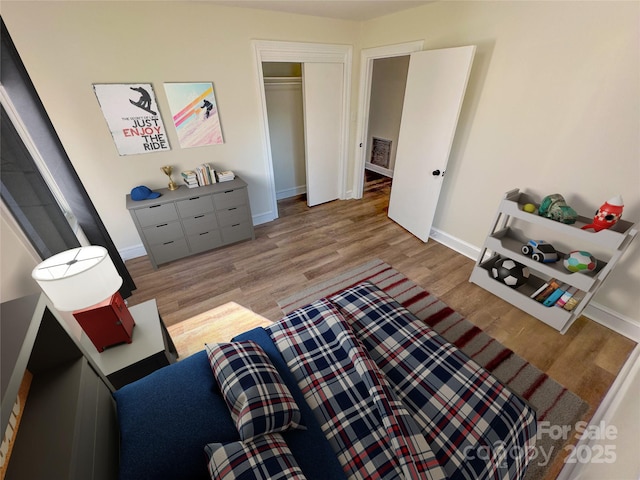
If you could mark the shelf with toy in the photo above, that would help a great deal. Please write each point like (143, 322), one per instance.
(508, 244)
(611, 238)
(554, 316)
(516, 218)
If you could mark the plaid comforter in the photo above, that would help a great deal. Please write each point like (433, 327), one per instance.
(394, 399)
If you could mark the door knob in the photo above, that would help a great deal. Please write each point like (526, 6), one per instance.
(436, 173)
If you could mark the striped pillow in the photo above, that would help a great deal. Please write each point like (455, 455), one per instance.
(256, 395)
(264, 458)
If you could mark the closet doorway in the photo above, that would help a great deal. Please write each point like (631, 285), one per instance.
(326, 73)
(285, 113)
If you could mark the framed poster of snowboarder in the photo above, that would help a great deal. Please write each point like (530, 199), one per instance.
(195, 113)
(132, 115)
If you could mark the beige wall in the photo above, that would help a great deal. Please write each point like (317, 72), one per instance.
(552, 104)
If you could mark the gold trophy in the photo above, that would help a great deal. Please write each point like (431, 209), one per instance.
(167, 169)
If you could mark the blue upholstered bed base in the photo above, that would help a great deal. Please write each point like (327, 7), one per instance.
(157, 445)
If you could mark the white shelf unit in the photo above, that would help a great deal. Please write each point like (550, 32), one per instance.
(505, 240)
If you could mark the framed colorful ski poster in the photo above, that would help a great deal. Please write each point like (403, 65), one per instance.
(132, 114)
(195, 113)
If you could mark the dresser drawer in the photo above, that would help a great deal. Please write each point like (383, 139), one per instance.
(185, 222)
(200, 223)
(230, 198)
(195, 206)
(233, 215)
(172, 250)
(205, 241)
(163, 233)
(155, 214)
(237, 232)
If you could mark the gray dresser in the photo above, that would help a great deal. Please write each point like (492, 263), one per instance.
(188, 221)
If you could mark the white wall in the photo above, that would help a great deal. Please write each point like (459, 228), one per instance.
(552, 106)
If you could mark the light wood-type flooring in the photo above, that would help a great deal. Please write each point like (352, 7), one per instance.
(308, 245)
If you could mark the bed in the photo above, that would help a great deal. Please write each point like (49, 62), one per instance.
(352, 386)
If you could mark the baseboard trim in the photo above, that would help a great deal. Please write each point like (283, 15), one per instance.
(454, 243)
(613, 320)
(132, 252)
(291, 192)
(378, 169)
(605, 316)
(263, 218)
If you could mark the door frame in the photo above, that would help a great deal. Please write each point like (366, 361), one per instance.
(296, 52)
(367, 56)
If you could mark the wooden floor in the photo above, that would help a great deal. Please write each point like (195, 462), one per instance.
(308, 245)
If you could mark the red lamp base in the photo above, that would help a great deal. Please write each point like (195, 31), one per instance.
(107, 323)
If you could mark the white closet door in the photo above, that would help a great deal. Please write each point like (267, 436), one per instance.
(436, 83)
(322, 98)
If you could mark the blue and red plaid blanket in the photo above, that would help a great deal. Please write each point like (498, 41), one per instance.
(394, 399)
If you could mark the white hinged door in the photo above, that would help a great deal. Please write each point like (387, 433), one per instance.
(436, 83)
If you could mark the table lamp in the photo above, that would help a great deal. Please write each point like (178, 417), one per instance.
(85, 281)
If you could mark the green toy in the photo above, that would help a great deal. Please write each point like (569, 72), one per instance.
(555, 207)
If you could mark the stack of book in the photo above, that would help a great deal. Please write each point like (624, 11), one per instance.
(225, 176)
(206, 174)
(553, 293)
(190, 178)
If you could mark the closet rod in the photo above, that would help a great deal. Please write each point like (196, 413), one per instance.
(282, 80)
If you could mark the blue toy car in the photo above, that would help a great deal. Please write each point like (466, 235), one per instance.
(540, 251)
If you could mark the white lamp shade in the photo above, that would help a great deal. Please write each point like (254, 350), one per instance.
(78, 278)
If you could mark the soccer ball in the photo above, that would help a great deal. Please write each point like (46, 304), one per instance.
(510, 272)
(579, 261)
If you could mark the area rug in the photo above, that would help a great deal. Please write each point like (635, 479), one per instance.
(558, 410)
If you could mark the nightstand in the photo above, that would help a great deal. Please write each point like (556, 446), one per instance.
(151, 348)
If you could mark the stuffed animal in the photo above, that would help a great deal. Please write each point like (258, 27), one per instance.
(555, 207)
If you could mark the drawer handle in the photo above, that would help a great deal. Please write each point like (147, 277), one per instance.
(161, 225)
(194, 198)
(205, 233)
(198, 216)
(234, 208)
(235, 225)
(228, 191)
(154, 206)
(167, 243)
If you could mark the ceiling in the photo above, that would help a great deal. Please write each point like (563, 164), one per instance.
(357, 10)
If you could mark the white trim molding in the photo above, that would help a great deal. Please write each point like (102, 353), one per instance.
(378, 169)
(367, 57)
(299, 52)
(454, 243)
(291, 192)
(613, 320)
